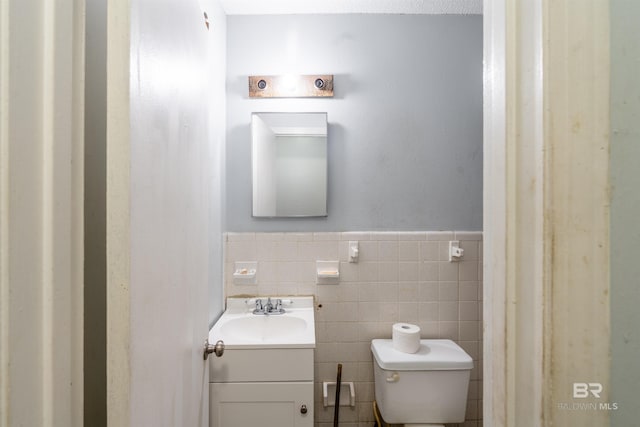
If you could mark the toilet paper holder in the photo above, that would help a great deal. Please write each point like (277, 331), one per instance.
(347, 393)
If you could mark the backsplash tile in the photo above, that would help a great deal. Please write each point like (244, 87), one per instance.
(400, 277)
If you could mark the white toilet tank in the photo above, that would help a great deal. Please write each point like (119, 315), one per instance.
(426, 387)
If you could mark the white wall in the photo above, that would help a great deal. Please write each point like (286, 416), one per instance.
(405, 124)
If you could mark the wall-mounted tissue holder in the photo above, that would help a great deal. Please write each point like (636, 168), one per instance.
(245, 273)
(347, 394)
(327, 272)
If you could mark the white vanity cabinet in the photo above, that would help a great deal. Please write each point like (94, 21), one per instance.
(265, 376)
(262, 387)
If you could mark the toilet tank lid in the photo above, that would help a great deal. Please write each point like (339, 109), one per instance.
(433, 355)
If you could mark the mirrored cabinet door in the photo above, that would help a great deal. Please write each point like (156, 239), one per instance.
(289, 164)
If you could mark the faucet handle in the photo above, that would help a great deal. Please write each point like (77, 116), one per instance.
(278, 305)
(258, 305)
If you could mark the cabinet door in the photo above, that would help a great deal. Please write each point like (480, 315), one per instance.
(261, 404)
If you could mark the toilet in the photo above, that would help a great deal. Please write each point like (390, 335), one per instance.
(426, 388)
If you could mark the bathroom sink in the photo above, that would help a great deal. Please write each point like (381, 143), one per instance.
(264, 328)
(239, 328)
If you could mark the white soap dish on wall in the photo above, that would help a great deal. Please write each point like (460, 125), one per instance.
(347, 394)
(245, 273)
(327, 272)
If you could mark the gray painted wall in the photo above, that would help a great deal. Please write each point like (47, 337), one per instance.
(625, 210)
(405, 124)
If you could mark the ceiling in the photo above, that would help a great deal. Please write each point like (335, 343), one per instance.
(276, 7)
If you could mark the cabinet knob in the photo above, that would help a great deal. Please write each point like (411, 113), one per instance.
(303, 409)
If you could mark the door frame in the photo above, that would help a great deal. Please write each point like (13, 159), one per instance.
(41, 212)
(546, 97)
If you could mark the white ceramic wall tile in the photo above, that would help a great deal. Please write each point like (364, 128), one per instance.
(408, 250)
(367, 251)
(349, 272)
(239, 237)
(408, 291)
(440, 235)
(468, 235)
(389, 311)
(428, 311)
(448, 330)
(400, 276)
(384, 235)
(326, 236)
(412, 235)
(368, 292)
(468, 270)
(428, 291)
(265, 250)
(408, 271)
(368, 272)
(429, 271)
(368, 311)
(468, 310)
(388, 251)
(429, 251)
(388, 271)
(448, 311)
(470, 249)
(239, 250)
(469, 331)
(448, 291)
(429, 329)
(286, 250)
(298, 237)
(443, 251)
(355, 235)
(272, 237)
(448, 271)
(408, 312)
(388, 292)
(468, 291)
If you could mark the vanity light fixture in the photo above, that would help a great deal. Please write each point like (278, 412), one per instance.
(291, 86)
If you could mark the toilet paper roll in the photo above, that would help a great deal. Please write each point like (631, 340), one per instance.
(406, 337)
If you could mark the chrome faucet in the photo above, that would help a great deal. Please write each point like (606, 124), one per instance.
(259, 308)
(268, 308)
